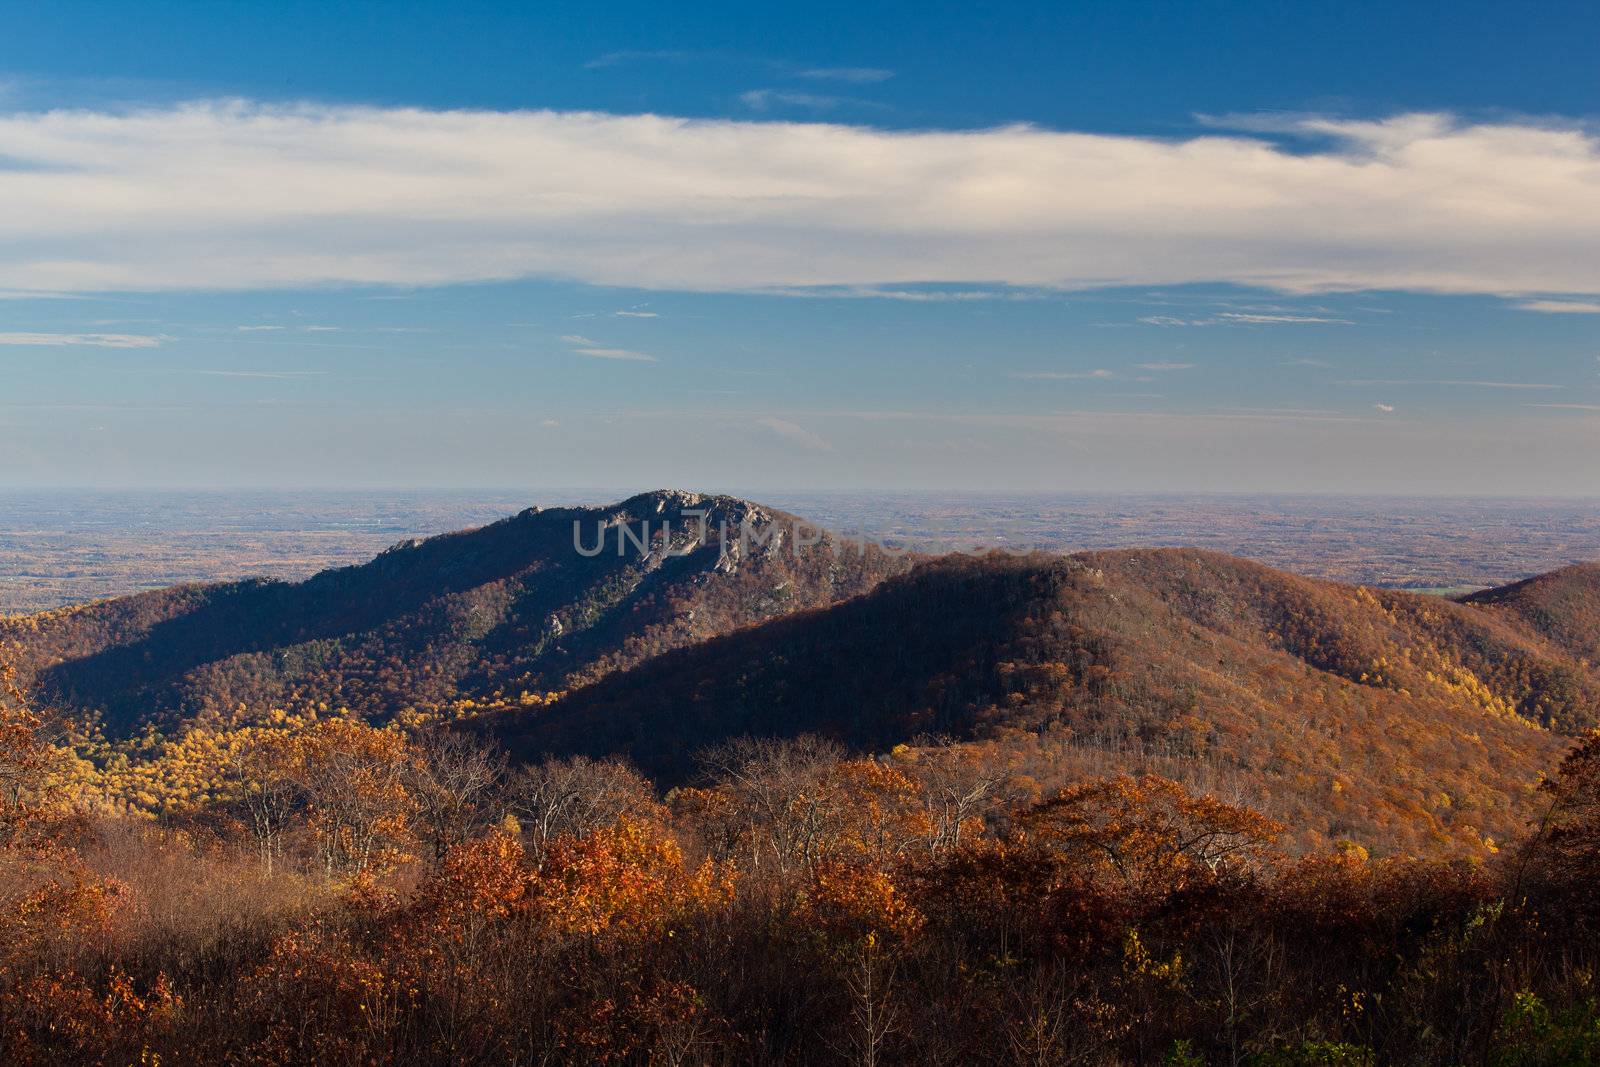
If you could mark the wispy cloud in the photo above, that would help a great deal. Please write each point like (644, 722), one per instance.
(257, 329)
(1098, 374)
(1306, 361)
(794, 433)
(1387, 409)
(916, 296)
(856, 75)
(1164, 365)
(1249, 319)
(780, 67)
(9, 294)
(635, 315)
(326, 195)
(617, 353)
(615, 59)
(1240, 318)
(595, 350)
(1561, 307)
(767, 99)
(1566, 407)
(1469, 384)
(91, 340)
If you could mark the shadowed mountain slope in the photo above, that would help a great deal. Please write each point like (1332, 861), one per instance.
(1403, 721)
(537, 602)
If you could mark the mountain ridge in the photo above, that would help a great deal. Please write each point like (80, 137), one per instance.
(654, 627)
(532, 591)
(1394, 718)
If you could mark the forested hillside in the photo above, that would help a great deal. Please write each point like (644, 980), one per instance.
(360, 895)
(1563, 605)
(491, 798)
(1400, 721)
(510, 609)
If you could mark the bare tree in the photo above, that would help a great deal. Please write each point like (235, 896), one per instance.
(869, 985)
(575, 796)
(781, 795)
(957, 786)
(455, 783)
(270, 797)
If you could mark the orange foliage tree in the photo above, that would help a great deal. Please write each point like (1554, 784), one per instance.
(24, 760)
(1149, 831)
(344, 782)
(1568, 840)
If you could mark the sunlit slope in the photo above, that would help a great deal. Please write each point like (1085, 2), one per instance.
(1408, 722)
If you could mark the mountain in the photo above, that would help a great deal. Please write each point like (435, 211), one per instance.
(537, 603)
(671, 621)
(1405, 722)
(1563, 606)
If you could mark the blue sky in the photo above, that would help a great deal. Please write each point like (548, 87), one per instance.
(1091, 246)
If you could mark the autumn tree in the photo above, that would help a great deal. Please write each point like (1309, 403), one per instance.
(1148, 831)
(341, 782)
(1568, 838)
(24, 759)
(788, 804)
(353, 777)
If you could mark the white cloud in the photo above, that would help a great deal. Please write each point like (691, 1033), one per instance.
(257, 329)
(595, 350)
(635, 314)
(1387, 409)
(239, 196)
(1561, 307)
(92, 340)
(617, 353)
(1164, 365)
(1260, 320)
